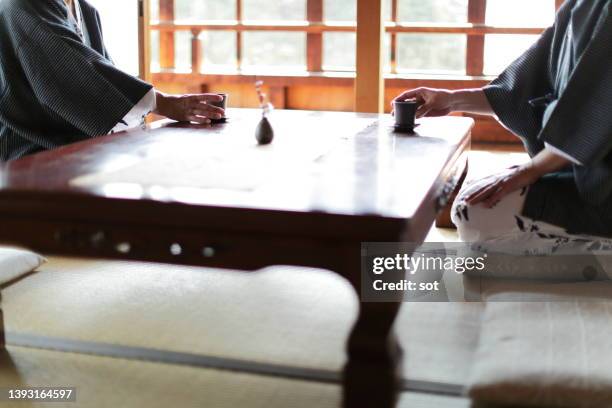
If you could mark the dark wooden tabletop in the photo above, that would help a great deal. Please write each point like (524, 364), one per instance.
(335, 166)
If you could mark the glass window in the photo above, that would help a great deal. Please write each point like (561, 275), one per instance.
(433, 11)
(339, 51)
(154, 10)
(155, 48)
(120, 26)
(387, 10)
(437, 53)
(219, 48)
(520, 13)
(340, 10)
(274, 49)
(502, 49)
(346, 10)
(182, 50)
(387, 53)
(274, 10)
(204, 10)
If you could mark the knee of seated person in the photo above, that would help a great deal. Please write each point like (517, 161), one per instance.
(470, 221)
(460, 215)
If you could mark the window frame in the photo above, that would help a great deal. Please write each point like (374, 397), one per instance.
(371, 85)
(314, 26)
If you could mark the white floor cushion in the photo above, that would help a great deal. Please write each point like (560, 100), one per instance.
(545, 345)
(15, 263)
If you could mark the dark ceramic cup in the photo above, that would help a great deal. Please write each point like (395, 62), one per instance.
(405, 114)
(221, 104)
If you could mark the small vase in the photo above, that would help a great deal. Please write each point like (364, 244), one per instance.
(264, 132)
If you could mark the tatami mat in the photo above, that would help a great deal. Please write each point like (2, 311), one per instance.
(106, 382)
(287, 316)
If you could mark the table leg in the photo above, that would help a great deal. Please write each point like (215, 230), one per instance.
(2, 338)
(373, 374)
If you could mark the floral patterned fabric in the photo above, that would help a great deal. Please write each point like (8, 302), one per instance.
(506, 225)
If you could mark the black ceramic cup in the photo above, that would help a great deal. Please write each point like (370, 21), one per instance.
(405, 113)
(221, 104)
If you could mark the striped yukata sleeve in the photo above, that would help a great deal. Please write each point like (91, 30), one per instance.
(526, 79)
(581, 123)
(72, 80)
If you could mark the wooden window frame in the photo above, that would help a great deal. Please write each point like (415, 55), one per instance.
(315, 27)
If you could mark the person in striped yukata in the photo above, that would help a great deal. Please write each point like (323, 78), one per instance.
(557, 97)
(58, 84)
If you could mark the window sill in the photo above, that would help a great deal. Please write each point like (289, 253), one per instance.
(291, 77)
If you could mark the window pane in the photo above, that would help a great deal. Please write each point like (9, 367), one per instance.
(154, 10)
(155, 63)
(447, 11)
(274, 10)
(502, 49)
(440, 53)
(339, 51)
(274, 49)
(204, 10)
(219, 48)
(387, 53)
(520, 13)
(387, 10)
(340, 10)
(346, 10)
(120, 26)
(182, 50)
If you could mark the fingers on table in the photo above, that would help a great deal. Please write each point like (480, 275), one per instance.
(198, 119)
(211, 112)
(199, 108)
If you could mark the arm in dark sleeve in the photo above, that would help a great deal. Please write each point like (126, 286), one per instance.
(75, 82)
(581, 123)
(526, 79)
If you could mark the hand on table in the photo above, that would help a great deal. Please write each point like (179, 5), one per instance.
(441, 102)
(500, 185)
(189, 108)
(432, 102)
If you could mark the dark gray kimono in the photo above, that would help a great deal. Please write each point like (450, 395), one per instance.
(54, 89)
(560, 92)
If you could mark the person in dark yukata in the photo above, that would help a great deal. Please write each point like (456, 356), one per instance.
(557, 97)
(58, 84)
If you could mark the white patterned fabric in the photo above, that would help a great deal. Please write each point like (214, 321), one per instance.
(136, 116)
(504, 226)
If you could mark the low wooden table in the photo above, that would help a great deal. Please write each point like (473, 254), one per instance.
(208, 196)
